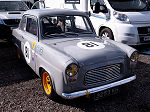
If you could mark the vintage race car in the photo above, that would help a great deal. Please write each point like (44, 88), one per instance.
(61, 46)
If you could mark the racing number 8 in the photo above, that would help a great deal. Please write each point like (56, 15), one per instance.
(90, 44)
(26, 52)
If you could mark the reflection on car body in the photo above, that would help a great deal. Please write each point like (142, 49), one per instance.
(70, 59)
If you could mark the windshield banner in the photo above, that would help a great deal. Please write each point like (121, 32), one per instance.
(72, 1)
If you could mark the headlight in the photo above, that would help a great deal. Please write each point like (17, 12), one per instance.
(134, 59)
(1, 21)
(71, 72)
(121, 17)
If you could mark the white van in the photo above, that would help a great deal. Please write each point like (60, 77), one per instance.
(126, 21)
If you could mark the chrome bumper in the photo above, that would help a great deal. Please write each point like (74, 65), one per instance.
(97, 89)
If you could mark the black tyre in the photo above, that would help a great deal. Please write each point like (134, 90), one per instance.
(5, 33)
(107, 33)
(47, 85)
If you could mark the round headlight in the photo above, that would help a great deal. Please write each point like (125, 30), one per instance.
(72, 70)
(71, 73)
(133, 60)
(134, 57)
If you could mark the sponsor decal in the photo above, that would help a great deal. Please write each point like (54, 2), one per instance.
(33, 45)
(39, 49)
(90, 45)
(33, 55)
(27, 51)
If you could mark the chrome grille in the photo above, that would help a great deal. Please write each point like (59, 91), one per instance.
(102, 74)
(11, 22)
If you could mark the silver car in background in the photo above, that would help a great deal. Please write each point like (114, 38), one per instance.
(62, 48)
(10, 14)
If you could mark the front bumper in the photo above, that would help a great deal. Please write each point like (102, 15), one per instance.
(97, 89)
(129, 33)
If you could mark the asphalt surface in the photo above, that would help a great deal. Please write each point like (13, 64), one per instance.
(21, 90)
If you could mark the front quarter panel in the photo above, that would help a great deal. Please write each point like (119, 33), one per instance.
(125, 48)
(55, 63)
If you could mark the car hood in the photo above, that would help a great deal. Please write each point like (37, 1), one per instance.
(11, 15)
(137, 17)
(77, 50)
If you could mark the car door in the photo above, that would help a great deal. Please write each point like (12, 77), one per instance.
(29, 40)
(97, 17)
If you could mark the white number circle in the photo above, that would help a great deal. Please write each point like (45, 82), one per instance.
(90, 45)
(27, 54)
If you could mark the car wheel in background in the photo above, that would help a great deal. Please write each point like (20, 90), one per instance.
(18, 53)
(5, 33)
(107, 33)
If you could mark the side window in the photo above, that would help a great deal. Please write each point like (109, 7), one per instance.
(23, 23)
(93, 2)
(32, 26)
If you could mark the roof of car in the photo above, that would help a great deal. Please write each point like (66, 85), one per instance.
(10, 0)
(52, 12)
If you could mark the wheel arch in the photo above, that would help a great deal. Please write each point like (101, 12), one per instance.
(41, 69)
(103, 27)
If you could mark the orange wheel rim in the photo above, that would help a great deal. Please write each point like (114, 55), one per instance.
(18, 53)
(47, 83)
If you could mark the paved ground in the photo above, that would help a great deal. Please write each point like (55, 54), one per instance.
(20, 90)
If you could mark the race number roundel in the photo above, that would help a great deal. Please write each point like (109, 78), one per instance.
(27, 54)
(90, 45)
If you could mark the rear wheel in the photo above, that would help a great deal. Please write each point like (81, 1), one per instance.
(18, 54)
(107, 33)
(47, 85)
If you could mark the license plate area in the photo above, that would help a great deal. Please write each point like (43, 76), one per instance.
(145, 39)
(105, 93)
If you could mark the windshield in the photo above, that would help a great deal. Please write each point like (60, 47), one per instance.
(12, 6)
(129, 5)
(65, 25)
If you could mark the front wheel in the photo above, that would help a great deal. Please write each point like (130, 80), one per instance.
(47, 85)
(107, 33)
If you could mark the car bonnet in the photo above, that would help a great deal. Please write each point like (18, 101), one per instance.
(11, 15)
(88, 51)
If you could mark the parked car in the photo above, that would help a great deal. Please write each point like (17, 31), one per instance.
(62, 48)
(125, 21)
(10, 14)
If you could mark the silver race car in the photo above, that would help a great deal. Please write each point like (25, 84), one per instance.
(61, 46)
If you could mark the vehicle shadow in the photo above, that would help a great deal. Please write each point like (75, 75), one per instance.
(12, 70)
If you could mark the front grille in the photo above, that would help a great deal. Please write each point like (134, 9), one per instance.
(12, 22)
(102, 75)
(144, 34)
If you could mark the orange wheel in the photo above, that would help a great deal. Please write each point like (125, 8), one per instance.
(47, 84)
